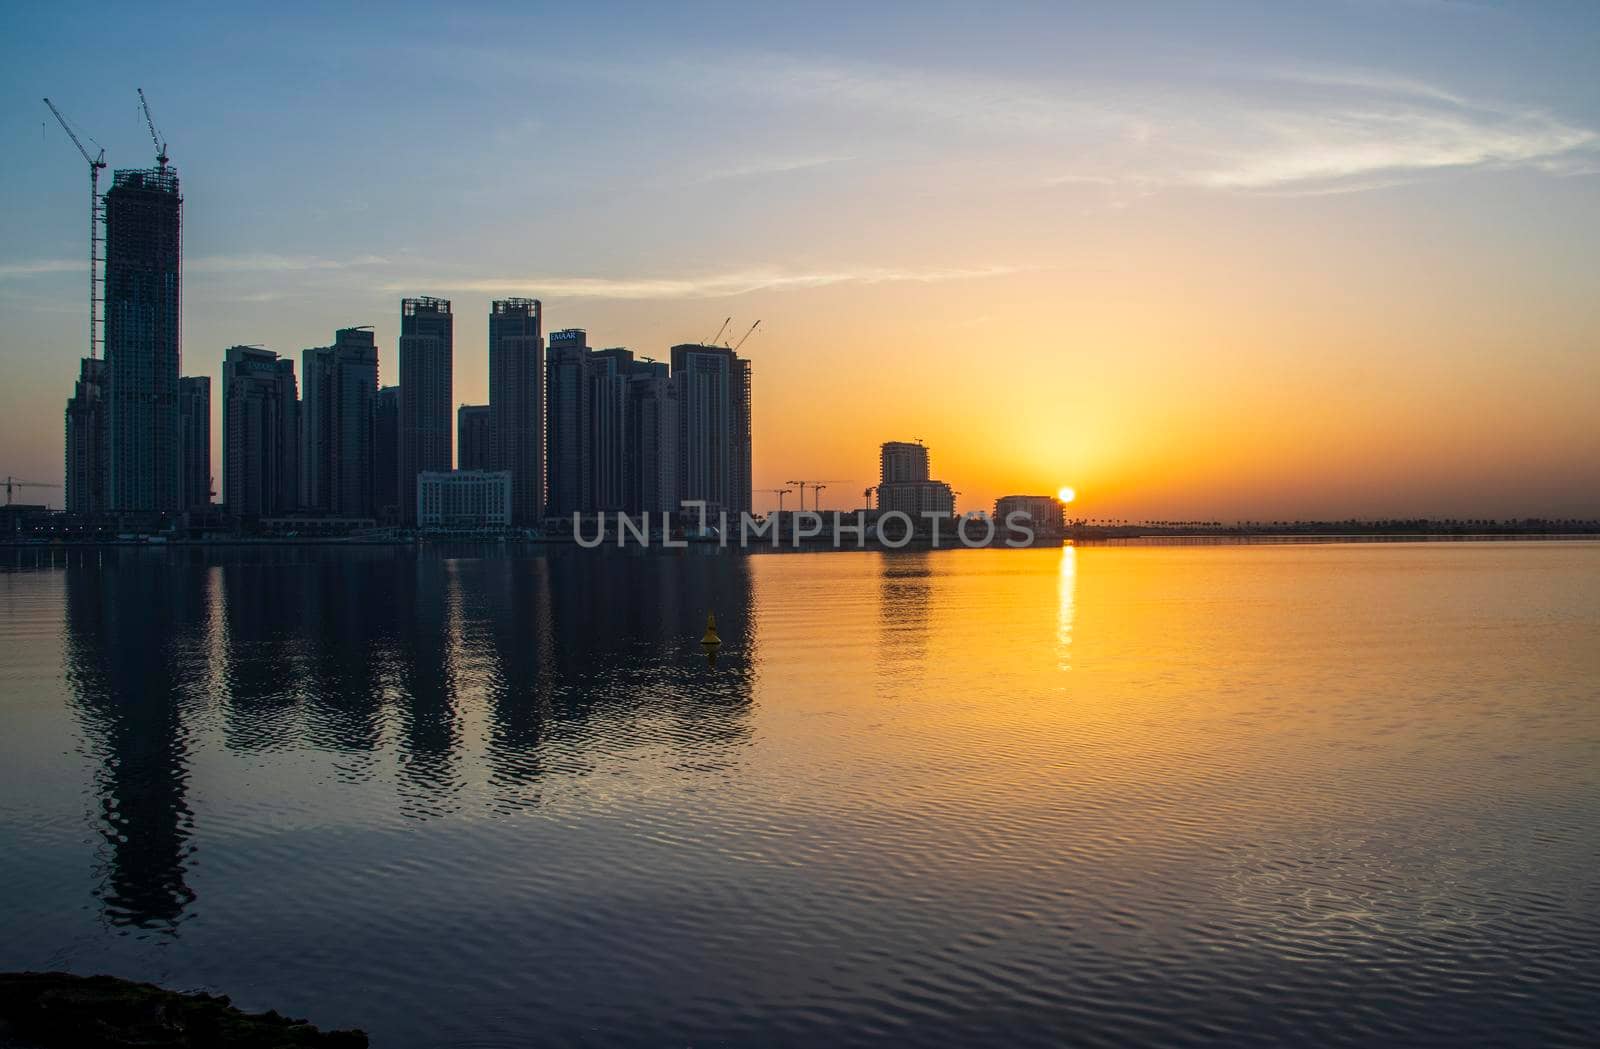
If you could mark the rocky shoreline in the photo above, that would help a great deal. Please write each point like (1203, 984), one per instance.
(54, 1009)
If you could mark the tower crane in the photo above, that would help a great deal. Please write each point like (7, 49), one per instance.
(816, 486)
(149, 122)
(96, 213)
(12, 482)
(713, 340)
(747, 334)
(779, 492)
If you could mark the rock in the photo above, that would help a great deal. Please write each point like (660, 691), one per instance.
(62, 1011)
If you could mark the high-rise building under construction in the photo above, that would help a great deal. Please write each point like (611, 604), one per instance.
(143, 310)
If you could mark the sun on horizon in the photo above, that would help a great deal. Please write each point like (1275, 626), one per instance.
(1066, 494)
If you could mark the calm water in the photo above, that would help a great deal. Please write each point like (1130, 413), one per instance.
(1228, 795)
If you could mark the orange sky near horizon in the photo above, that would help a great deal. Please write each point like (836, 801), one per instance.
(1268, 263)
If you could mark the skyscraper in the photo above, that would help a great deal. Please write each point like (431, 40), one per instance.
(386, 454)
(609, 371)
(194, 440)
(714, 452)
(567, 424)
(143, 299)
(339, 390)
(516, 403)
(260, 423)
(426, 354)
(86, 440)
(474, 444)
(652, 454)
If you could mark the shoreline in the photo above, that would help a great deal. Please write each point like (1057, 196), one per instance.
(46, 1010)
(809, 545)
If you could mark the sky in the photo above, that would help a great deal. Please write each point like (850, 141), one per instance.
(1196, 260)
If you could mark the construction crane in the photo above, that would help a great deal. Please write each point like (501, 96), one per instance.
(96, 214)
(779, 492)
(149, 122)
(713, 340)
(747, 334)
(816, 486)
(12, 482)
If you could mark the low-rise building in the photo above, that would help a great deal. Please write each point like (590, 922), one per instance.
(1046, 513)
(464, 499)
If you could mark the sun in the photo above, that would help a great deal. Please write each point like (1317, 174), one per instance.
(1066, 494)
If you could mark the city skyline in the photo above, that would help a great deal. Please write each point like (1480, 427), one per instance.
(1138, 284)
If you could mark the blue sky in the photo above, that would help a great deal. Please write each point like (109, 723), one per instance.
(889, 187)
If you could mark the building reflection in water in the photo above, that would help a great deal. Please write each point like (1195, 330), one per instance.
(905, 595)
(396, 663)
(136, 633)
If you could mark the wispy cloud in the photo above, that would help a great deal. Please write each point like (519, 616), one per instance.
(39, 267)
(708, 286)
(772, 166)
(1313, 129)
(247, 263)
(268, 263)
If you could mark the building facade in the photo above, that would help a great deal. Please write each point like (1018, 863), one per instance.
(714, 450)
(917, 498)
(194, 440)
(609, 439)
(339, 390)
(261, 433)
(568, 428)
(651, 471)
(463, 499)
(386, 455)
(474, 444)
(427, 351)
(516, 403)
(900, 461)
(143, 355)
(1045, 513)
(85, 466)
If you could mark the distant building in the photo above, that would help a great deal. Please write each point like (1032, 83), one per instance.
(917, 497)
(474, 443)
(901, 461)
(904, 483)
(570, 462)
(339, 389)
(260, 433)
(651, 467)
(426, 355)
(1046, 514)
(463, 499)
(609, 372)
(194, 440)
(516, 403)
(714, 449)
(143, 317)
(85, 473)
(386, 455)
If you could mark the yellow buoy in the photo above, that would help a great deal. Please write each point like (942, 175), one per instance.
(711, 637)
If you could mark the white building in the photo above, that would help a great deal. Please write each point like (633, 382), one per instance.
(464, 499)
